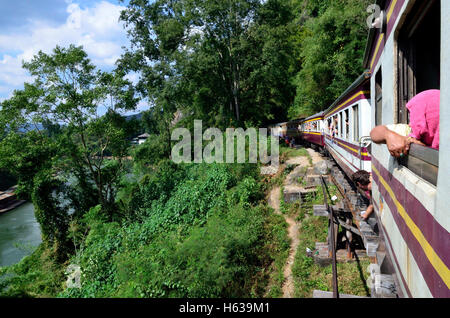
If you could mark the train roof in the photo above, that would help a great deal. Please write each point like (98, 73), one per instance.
(358, 90)
(295, 121)
(278, 124)
(315, 116)
(371, 37)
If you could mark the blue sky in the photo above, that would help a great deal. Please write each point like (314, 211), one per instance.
(27, 26)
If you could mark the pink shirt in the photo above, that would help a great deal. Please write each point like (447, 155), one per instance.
(424, 117)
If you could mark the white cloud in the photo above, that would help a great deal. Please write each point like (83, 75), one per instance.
(96, 28)
(11, 75)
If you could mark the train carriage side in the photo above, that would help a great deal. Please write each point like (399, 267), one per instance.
(293, 128)
(276, 130)
(282, 129)
(411, 196)
(347, 127)
(311, 129)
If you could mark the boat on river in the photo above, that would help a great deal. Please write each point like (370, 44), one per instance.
(9, 200)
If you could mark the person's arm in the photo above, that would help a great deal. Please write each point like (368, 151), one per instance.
(397, 144)
(368, 212)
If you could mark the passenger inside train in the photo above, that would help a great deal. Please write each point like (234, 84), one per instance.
(363, 180)
(335, 127)
(423, 128)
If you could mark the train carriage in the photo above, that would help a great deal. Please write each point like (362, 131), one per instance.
(293, 128)
(278, 130)
(409, 53)
(311, 129)
(347, 127)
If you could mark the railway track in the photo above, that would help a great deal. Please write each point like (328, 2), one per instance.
(345, 221)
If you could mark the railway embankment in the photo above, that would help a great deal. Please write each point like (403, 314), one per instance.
(294, 199)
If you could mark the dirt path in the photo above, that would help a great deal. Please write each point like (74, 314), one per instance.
(293, 226)
(288, 286)
(274, 200)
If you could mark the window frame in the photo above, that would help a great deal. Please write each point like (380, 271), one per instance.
(355, 123)
(421, 160)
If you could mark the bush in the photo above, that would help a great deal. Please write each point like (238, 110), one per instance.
(174, 250)
(199, 264)
(37, 275)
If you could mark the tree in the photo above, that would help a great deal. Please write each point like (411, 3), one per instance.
(68, 91)
(331, 51)
(225, 62)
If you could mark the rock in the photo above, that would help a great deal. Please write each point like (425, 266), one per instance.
(321, 168)
(269, 170)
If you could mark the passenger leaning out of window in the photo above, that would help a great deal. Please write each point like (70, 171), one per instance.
(423, 128)
(363, 180)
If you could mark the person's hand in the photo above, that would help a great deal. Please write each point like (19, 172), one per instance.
(397, 145)
(364, 215)
(412, 140)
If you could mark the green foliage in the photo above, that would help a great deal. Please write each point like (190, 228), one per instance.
(332, 48)
(68, 90)
(225, 62)
(36, 153)
(199, 265)
(37, 275)
(278, 246)
(173, 250)
(6, 180)
(51, 215)
(151, 151)
(248, 190)
(172, 230)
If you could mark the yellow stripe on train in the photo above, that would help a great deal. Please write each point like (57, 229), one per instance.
(352, 149)
(434, 259)
(348, 100)
(391, 10)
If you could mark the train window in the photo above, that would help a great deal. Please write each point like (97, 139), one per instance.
(423, 161)
(347, 124)
(379, 98)
(355, 124)
(336, 126)
(418, 70)
(418, 54)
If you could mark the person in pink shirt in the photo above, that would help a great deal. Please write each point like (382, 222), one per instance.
(423, 128)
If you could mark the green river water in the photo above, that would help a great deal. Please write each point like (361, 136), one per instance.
(20, 234)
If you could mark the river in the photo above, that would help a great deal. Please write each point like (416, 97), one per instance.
(20, 234)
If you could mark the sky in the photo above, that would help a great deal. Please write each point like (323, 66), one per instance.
(28, 26)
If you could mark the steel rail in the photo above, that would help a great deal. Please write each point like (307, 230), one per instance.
(332, 235)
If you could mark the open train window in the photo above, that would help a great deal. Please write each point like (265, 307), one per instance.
(347, 124)
(379, 98)
(419, 51)
(355, 124)
(336, 125)
(340, 133)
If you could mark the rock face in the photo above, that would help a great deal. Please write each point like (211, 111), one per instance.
(321, 168)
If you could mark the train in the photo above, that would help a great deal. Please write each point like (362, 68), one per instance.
(407, 53)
